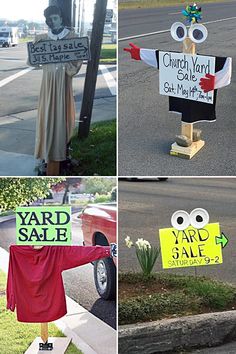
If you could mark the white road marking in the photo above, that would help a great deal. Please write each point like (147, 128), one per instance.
(15, 76)
(13, 60)
(142, 35)
(164, 31)
(111, 82)
(221, 20)
(175, 13)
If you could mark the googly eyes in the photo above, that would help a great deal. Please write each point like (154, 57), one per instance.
(198, 218)
(178, 31)
(180, 220)
(197, 32)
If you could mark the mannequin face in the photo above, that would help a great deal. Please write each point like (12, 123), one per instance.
(56, 22)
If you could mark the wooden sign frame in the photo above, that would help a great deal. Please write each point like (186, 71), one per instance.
(180, 74)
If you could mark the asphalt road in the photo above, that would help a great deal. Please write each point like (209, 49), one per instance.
(146, 128)
(78, 282)
(22, 94)
(145, 207)
(134, 22)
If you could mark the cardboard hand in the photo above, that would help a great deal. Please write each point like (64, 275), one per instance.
(134, 51)
(113, 250)
(207, 83)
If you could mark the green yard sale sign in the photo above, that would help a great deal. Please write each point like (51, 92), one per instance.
(47, 225)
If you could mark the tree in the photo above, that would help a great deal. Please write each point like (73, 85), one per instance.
(99, 185)
(16, 192)
(65, 185)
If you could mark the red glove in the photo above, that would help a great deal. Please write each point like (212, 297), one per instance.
(134, 51)
(207, 83)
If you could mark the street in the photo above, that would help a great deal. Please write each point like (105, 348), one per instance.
(19, 98)
(147, 206)
(146, 128)
(78, 282)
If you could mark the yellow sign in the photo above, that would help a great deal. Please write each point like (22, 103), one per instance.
(192, 246)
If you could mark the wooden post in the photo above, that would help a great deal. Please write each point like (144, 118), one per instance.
(92, 68)
(189, 47)
(44, 326)
(187, 129)
(53, 168)
(44, 332)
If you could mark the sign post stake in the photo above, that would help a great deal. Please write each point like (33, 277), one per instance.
(189, 48)
(44, 332)
(44, 326)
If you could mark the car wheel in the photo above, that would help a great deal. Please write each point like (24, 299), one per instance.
(105, 278)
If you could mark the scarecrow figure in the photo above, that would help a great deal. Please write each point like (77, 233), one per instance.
(56, 110)
(192, 111)
(35, 285)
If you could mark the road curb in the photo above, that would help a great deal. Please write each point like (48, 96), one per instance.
(189, 332)
(7, 218)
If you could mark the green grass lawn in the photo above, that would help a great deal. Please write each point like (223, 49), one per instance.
(25, 40)
(15, 337)
(166, 295)
(159, 3)
(108, 53)
(96, 155)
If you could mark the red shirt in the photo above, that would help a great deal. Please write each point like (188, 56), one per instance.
(34, 284)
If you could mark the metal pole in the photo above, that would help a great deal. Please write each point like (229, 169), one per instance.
(82, 19)
(92, 68)
(73, 14)
(78, 16)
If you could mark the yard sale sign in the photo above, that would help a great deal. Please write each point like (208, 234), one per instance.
(43, 225)
(192, 246)
(180, 75)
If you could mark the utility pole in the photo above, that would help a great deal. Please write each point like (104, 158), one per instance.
(92, 68)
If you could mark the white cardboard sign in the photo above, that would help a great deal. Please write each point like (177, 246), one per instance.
(60, 51)
(180, 75)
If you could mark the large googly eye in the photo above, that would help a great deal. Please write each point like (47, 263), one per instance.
(197, 33)
(180, 220)
(199, 218)
(178, 31)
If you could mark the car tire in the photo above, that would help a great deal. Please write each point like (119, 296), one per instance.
(105, 278)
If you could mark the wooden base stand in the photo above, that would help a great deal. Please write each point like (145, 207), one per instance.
(186, 152)
(59, 345)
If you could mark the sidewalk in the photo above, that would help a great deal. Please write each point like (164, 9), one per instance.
(88, 333)
(17, 136)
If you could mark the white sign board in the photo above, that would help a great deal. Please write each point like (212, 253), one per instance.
(180, 75)
(109, 16)
(60, 51)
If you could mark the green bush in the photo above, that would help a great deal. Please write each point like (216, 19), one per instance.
(182, 295)
(154, 307)
(103, 198)
(213, 294)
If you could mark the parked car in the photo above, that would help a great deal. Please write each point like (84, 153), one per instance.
(99, 228)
